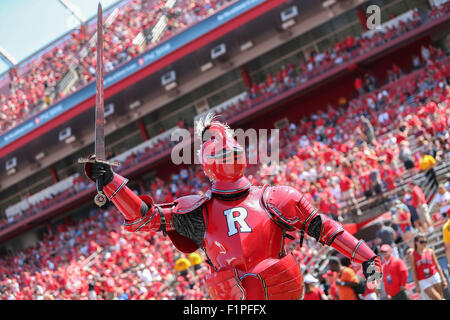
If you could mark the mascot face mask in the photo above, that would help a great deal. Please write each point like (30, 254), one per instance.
(222, 158)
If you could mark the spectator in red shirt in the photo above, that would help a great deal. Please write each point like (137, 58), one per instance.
(395, 275)
(347, 191)
(364, 181)
(324, 203)
(425, 269)
(419, 202)
(359, 86)
(350, 42)
(387, 175)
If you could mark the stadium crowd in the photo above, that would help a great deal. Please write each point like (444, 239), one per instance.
(338, 139)
(360, 148)
(284, 79)
(133, 266)
(35, 88)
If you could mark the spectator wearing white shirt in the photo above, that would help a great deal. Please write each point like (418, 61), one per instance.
(304, 142)
(292, 127)
(425, 53)
(447, 183)
(145, 275)
(336, 191)
(416, 61)
(442, 200)
(339, 60)
(383, 118)
(319, 57)
(382, 96)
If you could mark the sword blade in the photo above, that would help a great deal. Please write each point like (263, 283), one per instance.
(99, 109)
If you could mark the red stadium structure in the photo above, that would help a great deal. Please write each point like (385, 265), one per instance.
(359, 112)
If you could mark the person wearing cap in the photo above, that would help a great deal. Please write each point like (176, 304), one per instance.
(395, 275)
(346, 279)
(386, 235)
(196, 260)
(312, 290)
(182, 265)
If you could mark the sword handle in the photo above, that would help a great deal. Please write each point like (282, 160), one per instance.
(100, 198)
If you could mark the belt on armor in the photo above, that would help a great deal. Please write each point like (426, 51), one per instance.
(281, 281)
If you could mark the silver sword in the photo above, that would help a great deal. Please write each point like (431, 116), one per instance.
(100, 199)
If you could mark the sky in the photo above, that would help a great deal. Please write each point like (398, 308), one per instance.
(28, 25)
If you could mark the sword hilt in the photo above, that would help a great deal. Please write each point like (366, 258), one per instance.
(87, 160)
(100, 198)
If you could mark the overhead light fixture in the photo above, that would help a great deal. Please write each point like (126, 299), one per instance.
(11, 171)
(135, 104)
(288, 24)
(171, 86)
(246, 45)
(328, 3)
(39, 156)
(70, 139)
(206, 66)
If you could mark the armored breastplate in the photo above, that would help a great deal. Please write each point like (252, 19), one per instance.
(240, 232)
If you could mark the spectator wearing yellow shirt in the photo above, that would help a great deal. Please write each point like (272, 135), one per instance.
(446, 236)
(196, 260)
(427, 162)
(182, 265)
(346, 281)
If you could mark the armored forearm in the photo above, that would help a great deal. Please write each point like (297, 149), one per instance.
(139, 212)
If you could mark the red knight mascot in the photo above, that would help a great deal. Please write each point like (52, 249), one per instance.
(240, 228)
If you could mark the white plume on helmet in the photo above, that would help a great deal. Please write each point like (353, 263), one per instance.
(209, 119)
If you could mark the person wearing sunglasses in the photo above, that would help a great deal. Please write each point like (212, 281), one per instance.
(426, 271)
